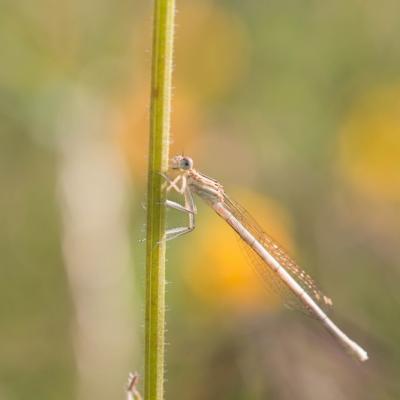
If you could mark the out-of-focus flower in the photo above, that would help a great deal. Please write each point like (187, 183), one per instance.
(218, 270)
(134, 128)
(210, 33)
(212, 49)
(370, 145)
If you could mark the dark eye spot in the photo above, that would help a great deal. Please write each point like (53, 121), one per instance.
(186, 163)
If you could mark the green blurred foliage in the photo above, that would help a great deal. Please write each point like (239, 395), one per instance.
(293, 101)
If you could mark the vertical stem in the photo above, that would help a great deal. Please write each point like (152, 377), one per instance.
(164, 11)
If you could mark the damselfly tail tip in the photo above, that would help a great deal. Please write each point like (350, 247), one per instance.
(358, 352)
(363, 356)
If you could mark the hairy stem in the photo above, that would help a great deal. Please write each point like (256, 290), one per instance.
(164, 11)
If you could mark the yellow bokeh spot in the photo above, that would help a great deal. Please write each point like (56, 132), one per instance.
(211, 50)
(370, 145)
(218, 270)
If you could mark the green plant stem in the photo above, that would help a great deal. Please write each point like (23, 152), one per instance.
(164, 11)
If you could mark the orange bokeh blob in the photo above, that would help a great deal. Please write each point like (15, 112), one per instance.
(217, 269)
(133, 134)
(204, 33)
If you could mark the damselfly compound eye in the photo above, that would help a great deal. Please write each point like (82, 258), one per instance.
(181, 162)
(186, 163)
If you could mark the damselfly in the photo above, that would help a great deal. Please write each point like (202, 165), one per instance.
(271, 262)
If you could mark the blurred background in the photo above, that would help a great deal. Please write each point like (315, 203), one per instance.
(293, 105)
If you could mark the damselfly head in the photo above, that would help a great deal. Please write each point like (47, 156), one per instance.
(181, 162)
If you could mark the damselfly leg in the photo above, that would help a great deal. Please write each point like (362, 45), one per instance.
(189, 207)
